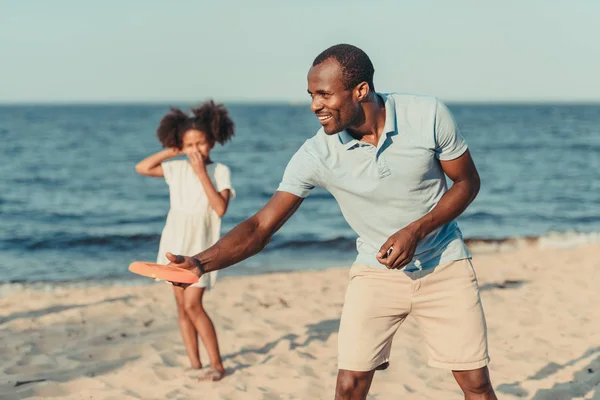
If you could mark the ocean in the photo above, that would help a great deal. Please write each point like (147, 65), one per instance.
(73, 209)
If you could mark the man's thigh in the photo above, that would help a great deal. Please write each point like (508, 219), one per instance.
(448, 310)
(377, 302)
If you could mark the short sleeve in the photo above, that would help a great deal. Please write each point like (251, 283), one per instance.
(301, 175)
(170, 169)
(449, 143)
(223, 180)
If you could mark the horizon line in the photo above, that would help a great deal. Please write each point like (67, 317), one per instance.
(281, 102)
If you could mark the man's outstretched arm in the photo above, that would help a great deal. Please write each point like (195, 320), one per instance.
(246, 239)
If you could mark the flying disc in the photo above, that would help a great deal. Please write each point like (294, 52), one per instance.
(163, 272)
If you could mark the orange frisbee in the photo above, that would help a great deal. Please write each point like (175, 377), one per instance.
(163, 272)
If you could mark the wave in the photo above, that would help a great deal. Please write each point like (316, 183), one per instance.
(340, 243)
(557, 240)
(70, 241)
(289, 251)
(568, 239)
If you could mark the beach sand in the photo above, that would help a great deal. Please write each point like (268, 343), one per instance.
(278, 336)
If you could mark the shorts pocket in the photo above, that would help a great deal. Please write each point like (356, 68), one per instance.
(357, 270)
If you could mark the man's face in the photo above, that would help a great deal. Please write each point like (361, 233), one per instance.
(336, 107)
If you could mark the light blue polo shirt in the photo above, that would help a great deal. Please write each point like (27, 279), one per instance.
(382, 189)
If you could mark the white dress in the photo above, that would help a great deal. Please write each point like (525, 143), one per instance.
(192, 225)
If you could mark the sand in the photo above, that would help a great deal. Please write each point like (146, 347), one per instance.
(278, 336)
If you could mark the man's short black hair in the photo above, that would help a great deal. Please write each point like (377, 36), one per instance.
(355, 63)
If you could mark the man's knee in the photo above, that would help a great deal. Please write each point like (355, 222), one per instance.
(475, 381)
(480, 387)
(352, 384)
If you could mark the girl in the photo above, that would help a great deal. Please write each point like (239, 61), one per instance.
(200, 191)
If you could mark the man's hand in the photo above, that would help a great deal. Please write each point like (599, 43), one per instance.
(184, 262)
(400, 248)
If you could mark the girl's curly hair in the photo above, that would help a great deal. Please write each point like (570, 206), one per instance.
(210, 118)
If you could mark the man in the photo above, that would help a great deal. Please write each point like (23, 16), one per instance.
(385, 158)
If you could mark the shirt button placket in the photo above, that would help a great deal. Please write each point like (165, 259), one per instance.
(382, 166)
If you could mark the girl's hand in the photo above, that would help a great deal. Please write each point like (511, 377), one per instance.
(196, 161)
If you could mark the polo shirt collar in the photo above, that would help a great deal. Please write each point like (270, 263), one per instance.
(346, 139)
(389, 128)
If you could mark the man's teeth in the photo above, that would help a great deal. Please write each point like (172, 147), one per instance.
(323, 117)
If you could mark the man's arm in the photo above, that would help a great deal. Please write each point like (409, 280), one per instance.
(246, 239)
(463, 173)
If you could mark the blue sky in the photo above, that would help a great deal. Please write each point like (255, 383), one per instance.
(154, 51)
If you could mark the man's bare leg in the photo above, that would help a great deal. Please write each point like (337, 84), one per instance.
(353, 385)
(475, 384)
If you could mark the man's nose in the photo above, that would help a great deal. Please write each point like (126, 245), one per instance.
(315, 105)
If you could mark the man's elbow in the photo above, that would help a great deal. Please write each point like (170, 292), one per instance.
(139, 168)
(261, 243)
(262, 236)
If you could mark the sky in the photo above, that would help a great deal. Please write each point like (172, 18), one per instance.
(66, 51)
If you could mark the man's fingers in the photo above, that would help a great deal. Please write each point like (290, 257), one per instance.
(399, 259)
(175, 258)
(389, 255)
(401, 262)
(393, 257)
(384, 250)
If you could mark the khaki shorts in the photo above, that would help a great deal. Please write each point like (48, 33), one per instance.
(443, 300)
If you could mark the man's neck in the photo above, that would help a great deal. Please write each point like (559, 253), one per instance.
(374, 120)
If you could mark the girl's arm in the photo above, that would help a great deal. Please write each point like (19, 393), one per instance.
(218, 200)
(150, 166)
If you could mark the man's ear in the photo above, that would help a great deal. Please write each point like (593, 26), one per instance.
(362, 91)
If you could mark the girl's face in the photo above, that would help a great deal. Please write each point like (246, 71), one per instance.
(197, 141)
